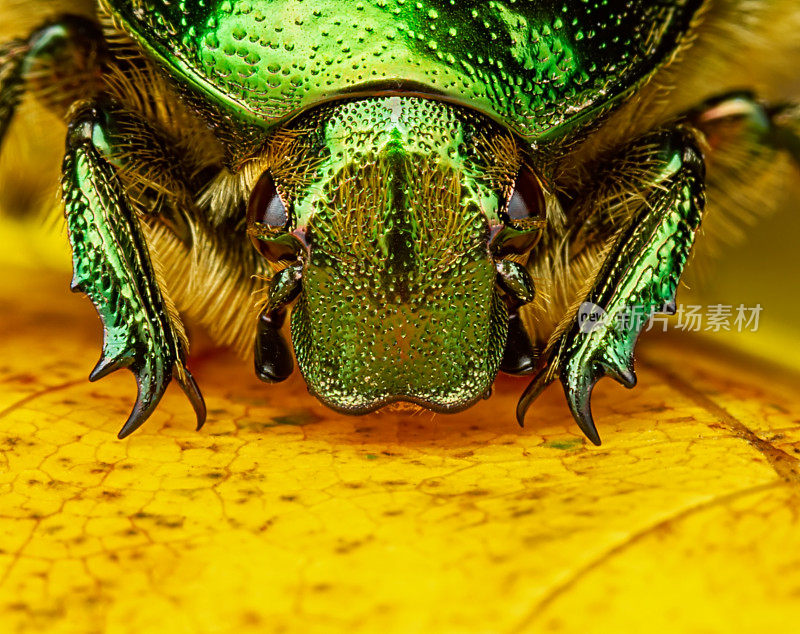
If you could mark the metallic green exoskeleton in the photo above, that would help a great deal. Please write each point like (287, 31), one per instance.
(438, 190)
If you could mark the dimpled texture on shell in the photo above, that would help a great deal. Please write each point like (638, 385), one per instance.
(399, 269)
(542, 68)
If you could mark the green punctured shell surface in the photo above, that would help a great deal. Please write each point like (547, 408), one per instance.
(542, 68)
(399, 298)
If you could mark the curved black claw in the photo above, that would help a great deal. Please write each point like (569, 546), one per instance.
(192, 391)
(151, 383)
(579, 373)
(579, 400)
(147, 401)
(531, 393)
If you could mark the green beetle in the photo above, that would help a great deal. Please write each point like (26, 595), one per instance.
(438, 189)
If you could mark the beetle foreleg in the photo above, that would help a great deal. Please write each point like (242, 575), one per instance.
(738, 123)
(58, 63)
(12, 55)
(112, 265)
(639, 276)
(746, 143)
(786, 126)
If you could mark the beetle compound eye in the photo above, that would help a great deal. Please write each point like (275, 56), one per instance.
(268, 222)
(527, 201)
(265, 205)
(526, 217)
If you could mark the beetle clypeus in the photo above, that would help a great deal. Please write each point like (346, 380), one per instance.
(406, 171)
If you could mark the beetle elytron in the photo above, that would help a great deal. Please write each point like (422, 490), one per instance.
(409, 173)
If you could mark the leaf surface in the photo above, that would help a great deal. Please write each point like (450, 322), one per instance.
(283, 516)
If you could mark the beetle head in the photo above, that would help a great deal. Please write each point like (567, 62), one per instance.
(397, 212)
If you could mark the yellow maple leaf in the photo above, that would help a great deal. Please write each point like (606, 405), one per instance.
(281, 515)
